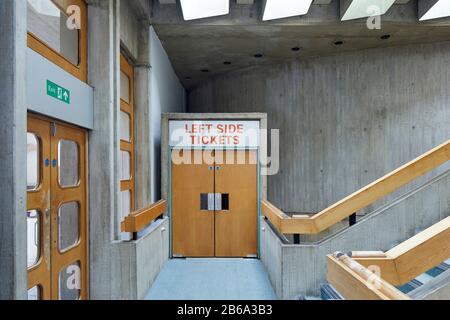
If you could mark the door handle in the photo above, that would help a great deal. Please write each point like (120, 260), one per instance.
(211, 206)
(222, 202)
(218, 202)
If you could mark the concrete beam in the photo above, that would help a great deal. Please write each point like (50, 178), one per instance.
(13, 119)
(142, 8)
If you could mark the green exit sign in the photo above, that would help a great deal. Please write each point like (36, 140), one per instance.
(58, 92)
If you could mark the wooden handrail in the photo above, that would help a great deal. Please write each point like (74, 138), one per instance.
(286, 224)
(356, 282)
(361, 198)
(138, 220)
(412, 257)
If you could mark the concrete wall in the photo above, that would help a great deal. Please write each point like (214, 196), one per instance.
(441, 293)
(103, 59)
(167, 95)
(345, 119)
(13, 119)
(436, 289)
(129, 29)
(300, 269)
(140, 262)
(119, 269)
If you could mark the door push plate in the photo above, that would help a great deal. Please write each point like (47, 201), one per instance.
(211, 197)
(218, 202)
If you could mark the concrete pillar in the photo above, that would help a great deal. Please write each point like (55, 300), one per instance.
(142, 118)
(104, 54)
(13, 268)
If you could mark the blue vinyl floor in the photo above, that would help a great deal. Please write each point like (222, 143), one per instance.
(212, 279)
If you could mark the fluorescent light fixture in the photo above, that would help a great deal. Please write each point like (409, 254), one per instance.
(198, 9)
(278, 9)
(357, 9)
(440, 9)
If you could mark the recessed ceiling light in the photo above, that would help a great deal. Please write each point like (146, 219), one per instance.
(338, 43)
(295, 49)
(198, 9)
(258, 55)
(440, 9)
(278, 9)
(385, 36)
(357, 9)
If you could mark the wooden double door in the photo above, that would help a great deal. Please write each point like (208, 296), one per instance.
(56, 211)
(214, 203)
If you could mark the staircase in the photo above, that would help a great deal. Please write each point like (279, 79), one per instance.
(328, 292)
(425, 277)
(294, 247)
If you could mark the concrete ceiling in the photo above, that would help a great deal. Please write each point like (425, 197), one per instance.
(206, 44)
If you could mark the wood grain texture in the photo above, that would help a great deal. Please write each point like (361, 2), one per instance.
(49, 197)
(39, 199)
(79, 71)
(138, 220)
(414, 256)
(361, 198)
(63, 195)
(192, 228)
(236, 229)
(128, 146)
(355, 282)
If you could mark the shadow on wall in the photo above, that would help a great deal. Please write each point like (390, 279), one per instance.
(167, 94)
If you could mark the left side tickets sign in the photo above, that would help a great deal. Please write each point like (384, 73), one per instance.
(214, 133)
(58, 92)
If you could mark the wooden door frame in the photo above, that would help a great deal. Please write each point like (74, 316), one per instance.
(225, 181)
(41, 270)
(86, 187)
(258, 190)
(129, 146)
(78, 71)
(203, 218)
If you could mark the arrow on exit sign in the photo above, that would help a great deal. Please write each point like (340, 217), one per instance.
(58, 92)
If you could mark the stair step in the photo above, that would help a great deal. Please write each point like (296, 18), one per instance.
(438, 270)
(410, 286)
(424, 278)
(328, 292)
